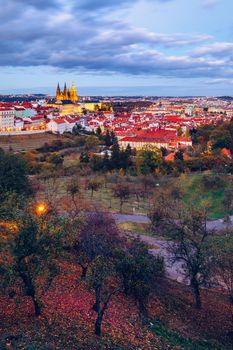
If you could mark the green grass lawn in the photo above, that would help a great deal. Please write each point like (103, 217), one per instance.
(214, 197)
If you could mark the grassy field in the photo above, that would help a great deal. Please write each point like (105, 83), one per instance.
(192, 189)
(26, 142)
(103, 198)
(191, 186)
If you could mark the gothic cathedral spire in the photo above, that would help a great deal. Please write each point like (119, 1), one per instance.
(67, 94)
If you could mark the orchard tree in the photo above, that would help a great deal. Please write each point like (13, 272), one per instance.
(122, 191)
(222, 255)
(30, 256)
(93, 185)
(186, 225)
(103, 279)
(140, 272)
(73, 190)
(98, 236)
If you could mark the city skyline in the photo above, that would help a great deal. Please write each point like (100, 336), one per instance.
(162, 47)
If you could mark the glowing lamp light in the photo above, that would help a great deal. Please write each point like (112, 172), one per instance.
(41, 209)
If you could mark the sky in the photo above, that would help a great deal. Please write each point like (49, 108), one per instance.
(117, 47)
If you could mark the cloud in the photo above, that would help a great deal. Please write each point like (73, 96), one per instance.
(83, 38)
(208, 4)
(218, 49)
(106, 4)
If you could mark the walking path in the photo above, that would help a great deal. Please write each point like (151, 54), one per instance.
(217, 225)
(161, 247)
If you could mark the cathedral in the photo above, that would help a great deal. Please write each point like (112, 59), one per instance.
(67, 94)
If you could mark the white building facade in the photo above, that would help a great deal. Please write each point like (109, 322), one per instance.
(7, 119)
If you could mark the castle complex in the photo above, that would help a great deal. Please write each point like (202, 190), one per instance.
(67, 94)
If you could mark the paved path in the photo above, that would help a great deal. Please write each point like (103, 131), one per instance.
(173, 270)
(217, 225)
(133, 218)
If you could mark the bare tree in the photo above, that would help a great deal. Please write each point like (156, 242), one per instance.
(187, 227)
(121, 191)
(222, 255)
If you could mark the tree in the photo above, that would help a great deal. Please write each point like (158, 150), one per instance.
(13, 175)
(113, 138)
(96, 163)
(116, 156)
(102, 273)
(228, 200)
(179, 155)
(192, 250)
(164, 151)
(221, 138)
(128, 150)
(84, 157)
(56, 159)
(98, 236)
(140, 271)
(31, 253)
(222, 258)
(106, 162)
(73, 189)
(149, 161)
(125, 158)
(93, 185)
(91, 143)
(108, 139)
(121, 191)
(98, 131)
(187, 227)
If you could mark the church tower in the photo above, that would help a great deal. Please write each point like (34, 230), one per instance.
(58, 93)
(65, 93)
(73, 93)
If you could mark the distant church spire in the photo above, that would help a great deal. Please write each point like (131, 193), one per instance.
(67, 94)
(58, 93)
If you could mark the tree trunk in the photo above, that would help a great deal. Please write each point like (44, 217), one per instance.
(30, 291)
(37, 307)
(96, 306)
(196, 292)
(84, 272)
(98, 323)
(142, 312)
(121, 204)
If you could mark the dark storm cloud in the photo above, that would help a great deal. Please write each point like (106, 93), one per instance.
(65, 35)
